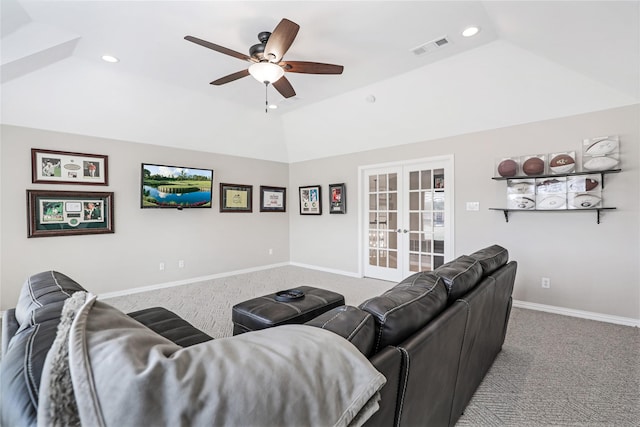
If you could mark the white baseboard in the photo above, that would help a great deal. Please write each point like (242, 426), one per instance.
(626, 321)
(327, 270)
(189, 281)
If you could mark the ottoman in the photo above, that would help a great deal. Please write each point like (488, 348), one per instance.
(266, 311)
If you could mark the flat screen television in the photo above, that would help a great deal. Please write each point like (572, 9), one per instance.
(175, 187)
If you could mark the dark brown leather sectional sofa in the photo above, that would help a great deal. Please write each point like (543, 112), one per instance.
(434, 336)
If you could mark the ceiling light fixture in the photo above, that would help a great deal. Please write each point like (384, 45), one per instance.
(266, 72)
(471, 31)
(109, 58)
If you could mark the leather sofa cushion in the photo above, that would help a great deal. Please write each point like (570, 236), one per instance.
(170, 325)
(405, 308)
(352, 324)
(459, 276)
(42, 289)
(491, 258)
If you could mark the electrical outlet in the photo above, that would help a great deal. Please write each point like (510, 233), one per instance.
(473, 206)
(161, 266)
(546, 282)
(270, 251)
(181, 263)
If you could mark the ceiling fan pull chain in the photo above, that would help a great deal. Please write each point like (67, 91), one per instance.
(266, 100)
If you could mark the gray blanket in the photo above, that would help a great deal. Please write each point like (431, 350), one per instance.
(123, 374)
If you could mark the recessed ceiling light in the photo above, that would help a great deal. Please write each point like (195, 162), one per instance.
(471, 31)
(109, 58)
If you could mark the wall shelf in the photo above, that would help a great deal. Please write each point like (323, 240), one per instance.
(506, 211)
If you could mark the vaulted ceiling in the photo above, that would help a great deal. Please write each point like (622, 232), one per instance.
(532, 60)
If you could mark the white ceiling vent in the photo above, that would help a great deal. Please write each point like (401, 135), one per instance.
(431, 46)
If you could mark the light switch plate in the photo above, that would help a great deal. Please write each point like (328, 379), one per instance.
(473, 206)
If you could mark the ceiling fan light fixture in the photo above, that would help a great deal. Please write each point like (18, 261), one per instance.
(266, 72)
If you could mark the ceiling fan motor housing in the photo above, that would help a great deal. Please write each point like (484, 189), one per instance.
(257, 50)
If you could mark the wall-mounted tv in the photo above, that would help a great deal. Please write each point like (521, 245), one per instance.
(175, 187)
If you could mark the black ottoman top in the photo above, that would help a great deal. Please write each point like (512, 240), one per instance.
(266, 311)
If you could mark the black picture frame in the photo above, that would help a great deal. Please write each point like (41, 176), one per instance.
(61, 213)
(236, 198)
(337, 198)
(310, 200)
(273, 199)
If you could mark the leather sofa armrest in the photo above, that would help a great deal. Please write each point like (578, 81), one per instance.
(389, 362)
(351, 323)
(10, 326)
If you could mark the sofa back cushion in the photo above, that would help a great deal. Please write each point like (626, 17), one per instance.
(491, 258)
(459, 276)
(42, 289)
(405, 308)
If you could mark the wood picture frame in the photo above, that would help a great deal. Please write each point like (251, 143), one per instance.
(310, 200)
(64, 167)
(61, 213)
(273, 199)
(337, 198)
(236, 198)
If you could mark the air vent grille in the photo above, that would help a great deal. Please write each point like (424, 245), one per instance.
(431, 46)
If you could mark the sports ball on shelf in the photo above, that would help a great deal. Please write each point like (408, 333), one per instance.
(533, 166)
(579, 184)
(600, 163)
(523, 203)
(590, 184)
(508, 168)
(562, 163)
(552, 202)
(600, 147)
(584, 201)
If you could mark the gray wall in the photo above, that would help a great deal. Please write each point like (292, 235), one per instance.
(592, 267)
(208, 241)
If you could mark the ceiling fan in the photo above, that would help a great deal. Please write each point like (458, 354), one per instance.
(267, 65)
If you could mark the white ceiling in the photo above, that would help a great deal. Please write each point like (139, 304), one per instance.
(531, 61)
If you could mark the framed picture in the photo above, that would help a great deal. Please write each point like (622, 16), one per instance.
(337, 199)
(273, 199)
(311, 200)
(236, 198)
(61, 213)
(62, 167)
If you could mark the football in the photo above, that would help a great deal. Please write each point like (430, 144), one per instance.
(508, 168)
(533, 166)
(552, 202)
(562, 163)
(590, 184)
(601, 146)
(600, 163)
(577, 184)
(585, 201)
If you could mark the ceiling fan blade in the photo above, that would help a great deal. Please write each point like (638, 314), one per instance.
(280, 40)
(230, 77)
(311, 67)
(217, 48)
(283, 86)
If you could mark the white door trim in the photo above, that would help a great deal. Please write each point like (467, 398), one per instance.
(362, 199)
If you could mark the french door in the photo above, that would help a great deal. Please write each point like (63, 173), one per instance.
(407, 217)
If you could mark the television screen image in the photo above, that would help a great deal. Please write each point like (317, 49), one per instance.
(175, 187)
